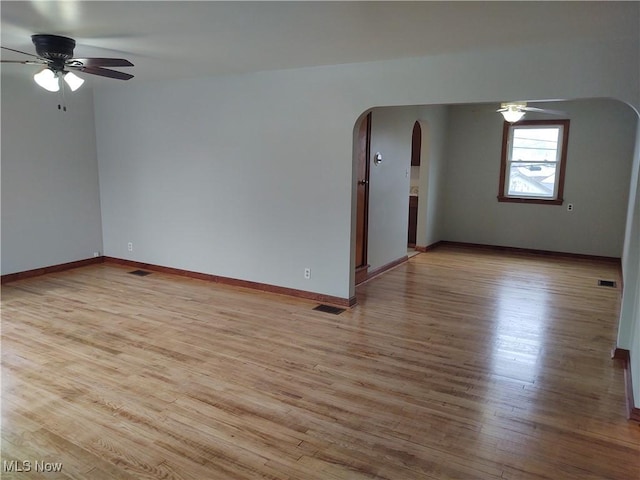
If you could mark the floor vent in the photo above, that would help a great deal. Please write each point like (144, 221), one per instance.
(606, 283)
(329, 309)
(140, 273)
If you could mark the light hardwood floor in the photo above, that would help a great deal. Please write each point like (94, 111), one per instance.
(459, 364)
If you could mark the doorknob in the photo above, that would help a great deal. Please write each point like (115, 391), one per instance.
(363, 182)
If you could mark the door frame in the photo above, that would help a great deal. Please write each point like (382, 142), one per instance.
(362, 171)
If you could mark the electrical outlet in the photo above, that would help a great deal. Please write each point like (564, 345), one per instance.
(307, 273)
(96, 254)
(130, 246)
(570, 207)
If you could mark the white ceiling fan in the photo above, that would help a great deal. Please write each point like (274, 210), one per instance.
(514, 111)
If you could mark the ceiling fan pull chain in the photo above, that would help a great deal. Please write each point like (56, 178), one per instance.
(63, 106)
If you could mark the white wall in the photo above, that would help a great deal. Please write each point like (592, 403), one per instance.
(631, 255)
(251, 176)
(230, 176)
(600, 155)
(635, 346)
(391, 132)
(50, 199)
(434, 121)
(629, 328)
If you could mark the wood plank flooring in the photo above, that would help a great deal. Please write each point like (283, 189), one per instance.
(459, 364)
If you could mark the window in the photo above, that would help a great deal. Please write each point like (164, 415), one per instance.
(534, 155)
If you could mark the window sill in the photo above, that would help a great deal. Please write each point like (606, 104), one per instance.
(539, 201)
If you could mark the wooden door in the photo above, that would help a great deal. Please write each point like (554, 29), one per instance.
(416, 146)
(362, 207)
(413, 221)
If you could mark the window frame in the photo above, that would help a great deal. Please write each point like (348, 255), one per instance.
(504, 162)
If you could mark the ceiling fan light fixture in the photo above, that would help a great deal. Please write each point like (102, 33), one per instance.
(47, 79)
(74, 81)
(512, 114)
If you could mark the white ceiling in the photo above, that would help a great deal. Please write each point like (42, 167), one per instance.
(194, 39)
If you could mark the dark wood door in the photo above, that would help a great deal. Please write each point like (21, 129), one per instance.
(413, 221)
(362, 207)
(416, 145)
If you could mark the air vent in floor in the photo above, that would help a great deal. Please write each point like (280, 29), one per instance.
(329, 309)
(140, 273)
(606, 283)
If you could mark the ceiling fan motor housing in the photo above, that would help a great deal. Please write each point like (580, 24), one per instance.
(55, 48)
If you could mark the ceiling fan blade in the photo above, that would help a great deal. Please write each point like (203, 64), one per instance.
(100, 62)
(19, 51)
(103, 72)
(26, 62)
(545, 110)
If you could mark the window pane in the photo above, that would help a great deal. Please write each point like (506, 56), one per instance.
(532, 165)
(532, 179)
(535, 144)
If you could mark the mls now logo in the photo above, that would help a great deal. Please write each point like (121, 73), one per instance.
(9, 466)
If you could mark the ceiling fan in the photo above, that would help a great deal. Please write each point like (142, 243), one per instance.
(514, 111)
(55, 54)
